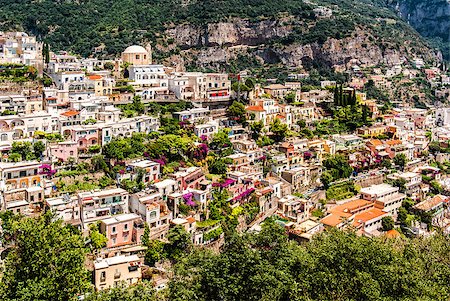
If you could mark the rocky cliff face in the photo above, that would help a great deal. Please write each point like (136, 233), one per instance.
(240, 32)
(218, 44)
(431, 17)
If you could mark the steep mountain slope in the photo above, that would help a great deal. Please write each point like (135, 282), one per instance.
(219, 33)
(431, 18)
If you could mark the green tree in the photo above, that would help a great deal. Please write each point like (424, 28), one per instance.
(139, 292)
(118, 149)
(290, 97)
(387, 223)
(108, 66)
(138, 106)
(400, 160)
(45, 261)
(400, 183)
(436, 187)
(179, 242)
(237, 112)
(335, 265)
(386, 163)
(279, 130)
(218, 166)
(38, 149)
(326, 178)
(256, 129)
(146, 235)
(22, 148)
(221, 143)
(97, 239)
(14, 157)
(46, 53)
(338, 167)
(301, 123)
(402, 216)
(155, 251)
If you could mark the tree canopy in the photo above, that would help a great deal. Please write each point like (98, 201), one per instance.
(45, 260)
(334, 266)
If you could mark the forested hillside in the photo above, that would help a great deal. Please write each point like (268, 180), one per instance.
(111, 25)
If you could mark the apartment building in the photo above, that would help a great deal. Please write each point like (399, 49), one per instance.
(153, 210)
(22, 186)
(386, 197)
(299, 177)
(65, 208)
(111, 272)
(122, 229)
(189, 177)
(19, 48)
(98, 205)
(151, 170)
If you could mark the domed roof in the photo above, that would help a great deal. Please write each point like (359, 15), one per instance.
(135, 49)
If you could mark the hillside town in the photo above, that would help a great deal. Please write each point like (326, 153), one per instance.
(132, 153)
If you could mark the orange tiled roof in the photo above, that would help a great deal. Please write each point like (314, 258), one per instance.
(281, 117)
(190, 219)
(393, 142)
(255, 108)
(332, 220)
(70, 113)
(430, 203)
(376, 142)
(367, 215)
(94, 77)
(346, 210)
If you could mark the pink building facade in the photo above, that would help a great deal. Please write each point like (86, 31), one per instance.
(123, 229)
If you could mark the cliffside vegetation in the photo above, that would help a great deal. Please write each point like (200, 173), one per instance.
(107, 26)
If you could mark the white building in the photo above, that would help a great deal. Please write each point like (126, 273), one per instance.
(97, 205)
(385, 197)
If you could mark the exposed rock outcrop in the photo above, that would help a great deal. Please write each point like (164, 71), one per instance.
(221, 43)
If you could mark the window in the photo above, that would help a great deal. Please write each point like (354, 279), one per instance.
(125, 227)
(138, 56)
(103, 276)
(113, 229)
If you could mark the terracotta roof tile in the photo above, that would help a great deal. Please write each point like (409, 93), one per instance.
(70, 113)
(255, 108)
(95, 77)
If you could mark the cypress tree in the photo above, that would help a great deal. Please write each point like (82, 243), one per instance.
(336, 96)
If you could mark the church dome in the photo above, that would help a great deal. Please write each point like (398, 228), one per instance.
(135, 49)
